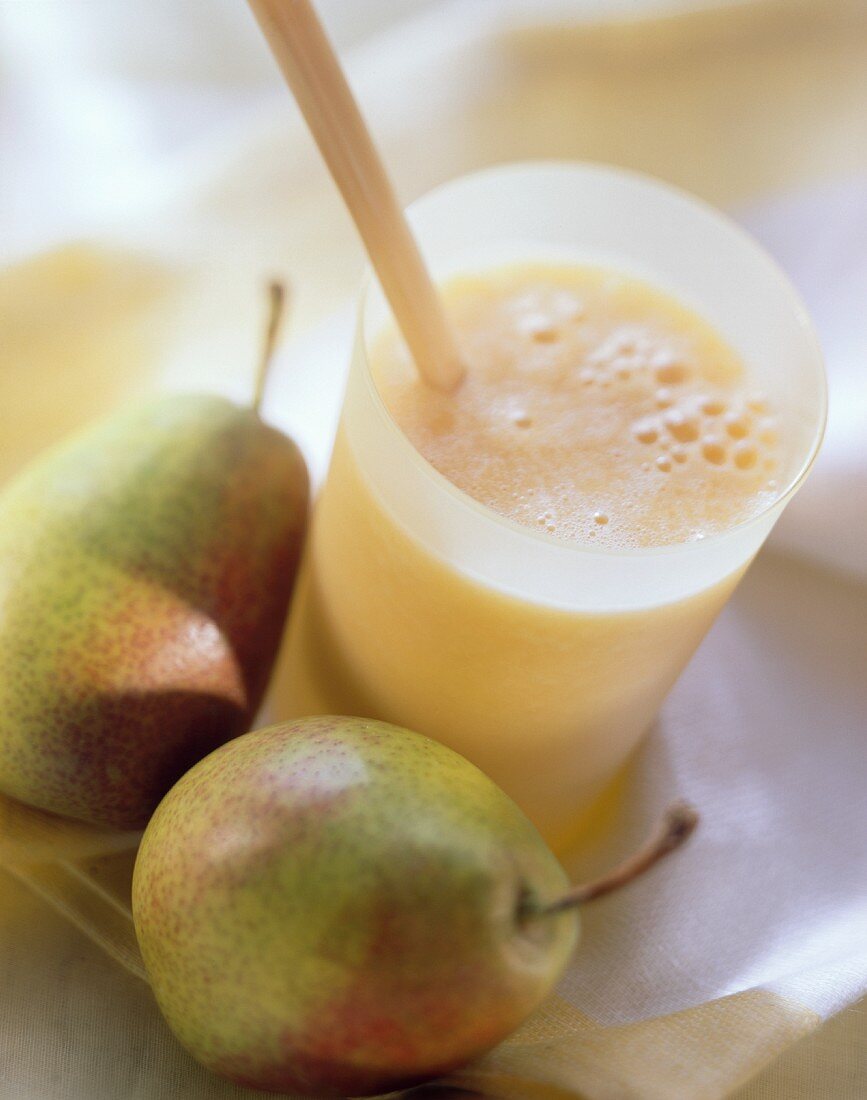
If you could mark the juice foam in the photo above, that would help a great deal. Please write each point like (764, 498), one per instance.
(595, 408)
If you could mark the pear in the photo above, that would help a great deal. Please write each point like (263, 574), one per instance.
(146, 568)
(339, 907)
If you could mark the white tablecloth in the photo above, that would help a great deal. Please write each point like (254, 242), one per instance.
(694, 978)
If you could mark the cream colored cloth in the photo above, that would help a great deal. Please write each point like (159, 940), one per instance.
(693, 980)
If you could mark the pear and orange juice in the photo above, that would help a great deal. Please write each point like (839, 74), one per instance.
(521, 567)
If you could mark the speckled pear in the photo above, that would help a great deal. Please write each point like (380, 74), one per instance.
(145, 571)
(339, 907)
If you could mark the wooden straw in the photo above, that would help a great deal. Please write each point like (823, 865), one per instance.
(314, 74)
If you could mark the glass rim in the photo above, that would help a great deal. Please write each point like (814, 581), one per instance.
(533, 536)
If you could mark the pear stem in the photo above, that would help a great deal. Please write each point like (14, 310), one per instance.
(677, 825)
(277, 298)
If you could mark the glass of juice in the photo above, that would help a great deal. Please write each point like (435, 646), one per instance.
(522, 568)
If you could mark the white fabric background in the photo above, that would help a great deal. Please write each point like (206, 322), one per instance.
(766, 729)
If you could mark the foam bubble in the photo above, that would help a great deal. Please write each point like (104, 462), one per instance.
(663, 463)
(672, 374)
(713, 406)
(663, 357)
(567, 306)
(684, 428)
(745, 455)
(538, 326)
(713, 450)
(645, 431)
(737, 426)
(769, 435)
(664, 398)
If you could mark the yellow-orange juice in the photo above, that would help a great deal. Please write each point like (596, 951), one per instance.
(596, 411)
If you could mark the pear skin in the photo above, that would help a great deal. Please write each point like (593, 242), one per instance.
(334, 907)
(146, 568)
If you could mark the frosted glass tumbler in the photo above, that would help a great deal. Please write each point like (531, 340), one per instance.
(543, 661)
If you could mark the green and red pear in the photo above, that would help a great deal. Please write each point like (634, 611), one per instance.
(339, 907)
(146, 568)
